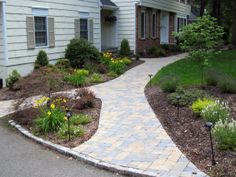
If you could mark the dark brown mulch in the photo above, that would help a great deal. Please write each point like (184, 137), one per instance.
(190, 134)
(37, 83)
(27, 117)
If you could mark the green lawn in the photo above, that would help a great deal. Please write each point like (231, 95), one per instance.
(189, 72)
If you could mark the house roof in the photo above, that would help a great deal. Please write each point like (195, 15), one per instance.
(108, 3)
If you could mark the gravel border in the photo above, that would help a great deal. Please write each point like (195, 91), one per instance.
(80, 156)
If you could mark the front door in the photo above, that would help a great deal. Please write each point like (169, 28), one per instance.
(164, 28)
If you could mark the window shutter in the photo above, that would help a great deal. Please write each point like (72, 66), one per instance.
(77, 28)
(151, 26)
(30, 32)
(91, 30)
(147, 25)
(139, 26)
(51, 32)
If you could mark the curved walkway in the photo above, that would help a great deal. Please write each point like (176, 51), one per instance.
(129, 134)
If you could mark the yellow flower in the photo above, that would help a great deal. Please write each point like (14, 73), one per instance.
(65, 118)
(49, 113)
(64, 100)
(53, 106)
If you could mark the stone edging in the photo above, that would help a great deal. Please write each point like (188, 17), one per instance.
(80, 156)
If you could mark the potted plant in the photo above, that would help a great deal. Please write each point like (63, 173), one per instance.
(1, 83)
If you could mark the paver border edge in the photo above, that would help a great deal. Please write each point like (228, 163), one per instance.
(80, 156)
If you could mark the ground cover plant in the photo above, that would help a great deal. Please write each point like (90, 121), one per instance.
(82, 66)
(47, 118)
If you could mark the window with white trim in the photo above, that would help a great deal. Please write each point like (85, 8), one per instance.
(41, 32)
(154, 25)
(143, 24)
(84, 28)
(181, 22)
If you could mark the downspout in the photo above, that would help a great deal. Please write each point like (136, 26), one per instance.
(135, 24)
(4, 29)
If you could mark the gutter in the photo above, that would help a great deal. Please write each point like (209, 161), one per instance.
(4, 30)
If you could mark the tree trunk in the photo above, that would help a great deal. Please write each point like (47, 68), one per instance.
(202, 7)
(234, 25)
(216, 9)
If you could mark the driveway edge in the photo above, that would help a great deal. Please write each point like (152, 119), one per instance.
(80, 156)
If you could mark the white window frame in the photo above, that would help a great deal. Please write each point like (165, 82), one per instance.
(85, 16)
(154, 26)
(41, 12)
(183, 18)
(143, 36)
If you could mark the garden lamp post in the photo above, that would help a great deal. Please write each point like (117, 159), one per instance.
(68, 116)
(150, 83)
(178, 97)
(209, 126)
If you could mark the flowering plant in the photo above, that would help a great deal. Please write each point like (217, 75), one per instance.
(216, 111)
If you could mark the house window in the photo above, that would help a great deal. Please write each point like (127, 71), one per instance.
(84, 29)
(154, 25)
(181, 22)
(41, 33)
(143, 24)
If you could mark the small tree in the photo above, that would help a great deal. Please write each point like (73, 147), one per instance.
(125, 48)
(42, 59)
(200, 39)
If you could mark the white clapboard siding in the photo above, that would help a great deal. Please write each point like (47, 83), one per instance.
(63, 12)
(1, 38)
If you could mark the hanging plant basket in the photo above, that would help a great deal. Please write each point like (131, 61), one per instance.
(110, 19)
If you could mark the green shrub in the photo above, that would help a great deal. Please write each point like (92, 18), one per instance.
(212, 76)
(79, 50)
(63, 63)
(200, 104)
(118, 66)
(137, 57)
(81, 119)
(125, 48)
(102, 68)
(169, 83)
(78, 78)
(91, 66)
(157, 52)
(96, 78)
(188, 96)
(165, 46)
(215, 112)
(42, 59)
(106, 58)
(12, 79)
(126, 61)
(50, 120)
(112, 74)
(75, 131)
(227, 84)
(225, 135)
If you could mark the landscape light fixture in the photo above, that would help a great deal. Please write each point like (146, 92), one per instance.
(150, 83)
(209, 126)
(178, 97)
(68, 116)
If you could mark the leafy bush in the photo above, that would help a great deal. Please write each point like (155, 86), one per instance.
(200, 104)
(169, 83)
(78, 78)
(81, 119)
(212, 77)
(157, 52)
(12, 79)
(225, 135)
(42, 59)
(215, 112)
(188, 96)
(118, 66)
(125, 48)
(86, 99)
(106, 58)
(96, 78)
(102, 68)
(63, 63)
(227, 84)
(75, 131)
(92, 67)
(126, 61)
(112, 74)
(79, 50)
(137, 57)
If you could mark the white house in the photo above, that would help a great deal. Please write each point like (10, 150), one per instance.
(27, 26)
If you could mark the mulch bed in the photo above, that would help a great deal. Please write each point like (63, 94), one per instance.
(37, 83)
(190, 134)
(27, 117)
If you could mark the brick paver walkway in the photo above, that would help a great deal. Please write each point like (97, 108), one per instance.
(129, 133)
